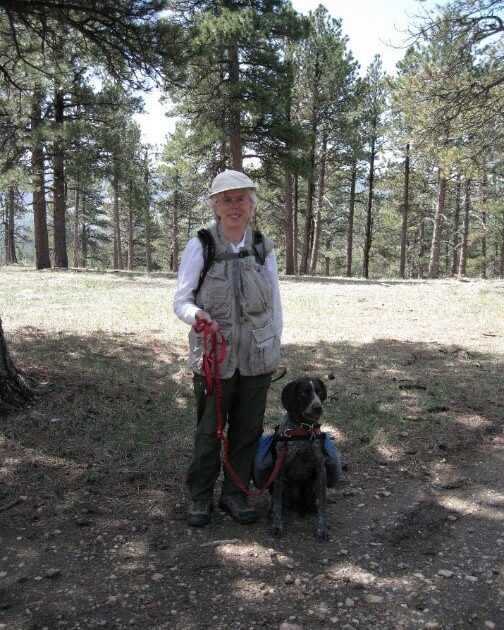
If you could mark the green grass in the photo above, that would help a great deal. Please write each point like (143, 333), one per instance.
(410, 362)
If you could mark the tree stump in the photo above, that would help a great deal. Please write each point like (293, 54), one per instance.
(15, 391)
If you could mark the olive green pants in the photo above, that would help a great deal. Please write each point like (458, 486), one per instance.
(243, 408)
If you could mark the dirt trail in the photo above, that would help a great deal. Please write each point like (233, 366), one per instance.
(412, 546)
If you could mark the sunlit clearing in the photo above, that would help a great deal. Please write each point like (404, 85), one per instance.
(486, 504)
(473, 422)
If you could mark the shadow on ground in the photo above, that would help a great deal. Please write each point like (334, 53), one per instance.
(92, 495)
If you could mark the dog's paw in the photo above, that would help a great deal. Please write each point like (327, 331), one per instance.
(322, 533)
(277, 531)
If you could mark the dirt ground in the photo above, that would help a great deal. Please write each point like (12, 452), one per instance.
(414, 544)
(92, 495)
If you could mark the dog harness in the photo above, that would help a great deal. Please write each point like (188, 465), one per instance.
(305, 432)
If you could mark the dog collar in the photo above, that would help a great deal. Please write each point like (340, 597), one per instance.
(305, 432)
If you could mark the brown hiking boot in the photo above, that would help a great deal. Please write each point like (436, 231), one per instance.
(198, 512)
(237, 506)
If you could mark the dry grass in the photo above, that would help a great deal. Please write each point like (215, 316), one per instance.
(411, 365)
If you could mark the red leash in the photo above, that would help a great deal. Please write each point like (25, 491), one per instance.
(214, 352)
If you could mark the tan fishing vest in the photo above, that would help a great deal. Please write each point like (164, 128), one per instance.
(237, 294)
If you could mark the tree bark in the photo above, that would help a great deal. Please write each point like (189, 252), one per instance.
(455, 228)
(405, 213)
(317, 226)
(235, 141)
(465, 230)
(10, 241)
(438, 225)
(148, 245)
(76, 227)
(483, 270)
(42, 259)
(308, 223)
(295, 226)
(131, 252)
(289, 225)
(15, 390)
(368, 235)
(118, 260)
(59, 211)
(84, 240)
(350, 225)
(501, 261)
(310, 197)
(421, 250)
(174, 249)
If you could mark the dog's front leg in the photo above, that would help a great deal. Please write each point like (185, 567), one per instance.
(320, 503)
(276, 507)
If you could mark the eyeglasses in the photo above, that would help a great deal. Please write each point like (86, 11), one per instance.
(229, 200)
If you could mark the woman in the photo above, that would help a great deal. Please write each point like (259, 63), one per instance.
(240, 297)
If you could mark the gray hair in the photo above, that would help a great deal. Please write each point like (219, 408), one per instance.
(219, 196)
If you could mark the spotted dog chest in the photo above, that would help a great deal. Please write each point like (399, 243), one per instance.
(303, 460)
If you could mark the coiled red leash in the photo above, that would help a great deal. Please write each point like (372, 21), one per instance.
(214, 352)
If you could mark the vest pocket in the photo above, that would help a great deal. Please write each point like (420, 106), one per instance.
(265, 349)
(196, 351)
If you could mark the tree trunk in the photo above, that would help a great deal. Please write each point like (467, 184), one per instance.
(42, 259)
(350, 226)
(483, 271)
(501, 262)
(84, 240)
(131, 252)
(118, 261)
(148, 245)
(437, 231)
(174, 249)
(317, 228)
(368, 235)
(15, 391)
(76, 227)
(314, 125)
(308, 223)
(455, 228)
(10, 242)
(421, 250)
(289, 225)
(235, 142)
(405, 213)
(465, 229)
(296, 225)
(59, 211)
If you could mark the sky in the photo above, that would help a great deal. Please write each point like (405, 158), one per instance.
(372, 26)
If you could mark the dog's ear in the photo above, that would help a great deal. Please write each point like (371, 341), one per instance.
(289, 395)
(323, 388)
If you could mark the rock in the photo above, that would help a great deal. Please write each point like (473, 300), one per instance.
(490, 625)
(289, 579)
(445, 573)
(157, 577)
(289, 626)
(52, 573)
(349, 603)
(373, 599)
(432, 625)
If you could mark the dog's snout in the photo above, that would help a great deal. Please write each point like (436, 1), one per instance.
(316, 408)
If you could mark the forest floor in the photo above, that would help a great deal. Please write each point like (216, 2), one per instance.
(92, 496)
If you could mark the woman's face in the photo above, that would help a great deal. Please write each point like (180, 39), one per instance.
(234, 209)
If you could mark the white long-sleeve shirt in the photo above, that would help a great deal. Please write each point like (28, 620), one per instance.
(189, 272)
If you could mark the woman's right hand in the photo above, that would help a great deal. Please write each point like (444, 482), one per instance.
(205, 317)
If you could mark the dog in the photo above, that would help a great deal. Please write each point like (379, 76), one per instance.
(302, 477)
